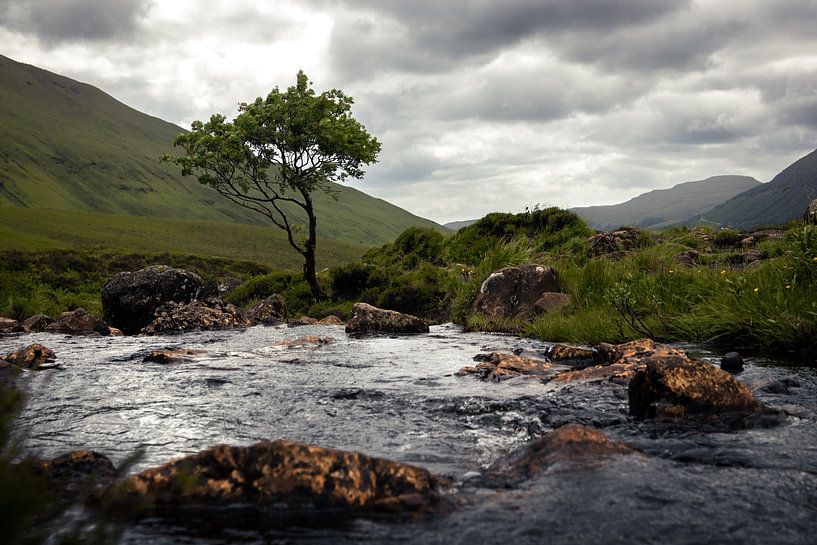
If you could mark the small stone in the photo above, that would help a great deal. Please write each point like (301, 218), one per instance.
(369, 319)
(732, 362)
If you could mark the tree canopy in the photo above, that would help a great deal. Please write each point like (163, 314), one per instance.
(278, 151)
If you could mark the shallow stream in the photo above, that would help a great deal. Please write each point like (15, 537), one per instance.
(398, 398)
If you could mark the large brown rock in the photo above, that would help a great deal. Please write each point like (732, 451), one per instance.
(8, 325)
(79, 322)
(513, 292)
(270, 311)
(282, 475)
(130, 299)
(674, 385)
(619, 361)
(195, 316)
(369, 319)
(38, 322)
(77, 473)
(569, 445)
(30, 357)
(499, 366)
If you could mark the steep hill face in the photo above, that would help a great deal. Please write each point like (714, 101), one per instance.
(69, 146)
(783, 199)
(664, 207)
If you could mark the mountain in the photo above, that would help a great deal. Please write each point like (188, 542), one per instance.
(66, 145)
(783, 199)
(663, 207)
(457, 225)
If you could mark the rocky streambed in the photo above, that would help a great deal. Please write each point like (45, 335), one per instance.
(483, 438)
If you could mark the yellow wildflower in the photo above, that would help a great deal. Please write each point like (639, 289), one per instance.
(757, 290)
(723, 271)
(814, 259)
(788, 286)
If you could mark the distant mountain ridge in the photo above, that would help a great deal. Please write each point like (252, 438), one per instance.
(781, 200)
(67, 145)
(664, 207)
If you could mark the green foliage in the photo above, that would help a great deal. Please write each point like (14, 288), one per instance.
(727, 237)
(548, 228)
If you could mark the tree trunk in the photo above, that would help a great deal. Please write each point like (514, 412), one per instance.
(310, 273)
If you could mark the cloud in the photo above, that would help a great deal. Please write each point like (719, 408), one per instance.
(56, 21)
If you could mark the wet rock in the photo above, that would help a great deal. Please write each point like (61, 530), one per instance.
(179, 355)
(310, 341)
(77, 473)
(195, 316)
(369, 319)
(79, 322)
(618, 362)
(810, 215)
(551, 301)
(38, 322)
(30, 357)
(7, 325)
(732, 362)
(303, 320)
(513, 292)
(569, 445)
(116, 332)
(499, 366)
(674, 385)
(564, 353)
(614, 244)
(281, 476)
(130, 299)
(270, 311)
(330, 320)
(689, 258)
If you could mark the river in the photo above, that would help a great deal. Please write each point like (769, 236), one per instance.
(399, 398)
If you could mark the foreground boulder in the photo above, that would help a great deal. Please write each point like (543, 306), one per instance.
(130, 299)
(30, 357)
(369, 319)
(281, 476)
(77, 473)
(513, 292)
(195, 316)
(674, 385)
(79, 322)
(270, 311)
(569, 445)
(8, 325)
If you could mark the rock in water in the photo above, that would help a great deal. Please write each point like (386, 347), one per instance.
(77, 473)
(499, 366)
(8, 325)
(573, 444)
(369, 319)
(674, 385)
(513, 292)
(195, 316)
(30, 357)
(270, 311)
(38, 322)
(281, 476)
(732, 362)
(79, 322)
(130, 299)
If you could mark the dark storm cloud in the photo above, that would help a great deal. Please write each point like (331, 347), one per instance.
(55, 21)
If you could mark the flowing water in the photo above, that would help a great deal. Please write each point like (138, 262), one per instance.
(398, 398)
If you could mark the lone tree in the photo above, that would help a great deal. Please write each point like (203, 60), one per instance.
(277, 152)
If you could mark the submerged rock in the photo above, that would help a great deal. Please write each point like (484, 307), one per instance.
(499, 366)
(569, 445)
(30, 357)
(281, 476)
(674, 385)
(303, 320)
(8, 325)
(513, 292)
(130, 299)
(38, 322)
(194, 316)
(179, 355)
(270, 311)
(310, 341)
(369, 319)
(79, 322)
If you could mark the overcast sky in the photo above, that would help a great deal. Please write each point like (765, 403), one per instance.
(480, 105)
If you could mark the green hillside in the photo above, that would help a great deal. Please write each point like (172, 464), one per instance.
(664, 207)
(783, 199)
(66, 145)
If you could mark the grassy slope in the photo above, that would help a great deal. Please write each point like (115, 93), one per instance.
(667, 206)
(35, 229)
(783, 199)
(67, 145)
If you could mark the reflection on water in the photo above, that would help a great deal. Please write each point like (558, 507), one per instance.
(398, 398)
